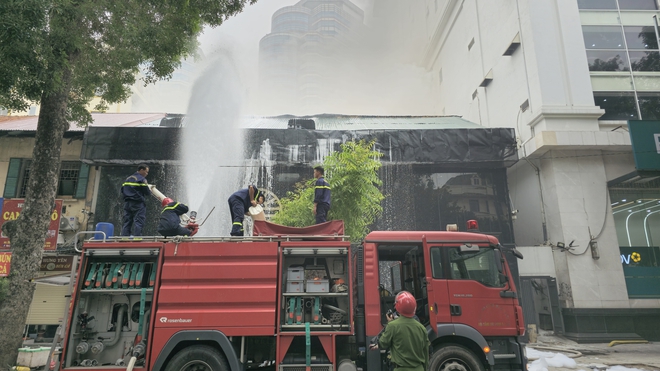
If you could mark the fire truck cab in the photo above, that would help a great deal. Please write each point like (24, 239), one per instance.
(465, 295)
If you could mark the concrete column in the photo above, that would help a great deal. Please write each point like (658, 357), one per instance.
(577, 207)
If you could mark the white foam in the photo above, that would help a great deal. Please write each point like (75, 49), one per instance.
(543, 360)
(623, 368)
(549, 359)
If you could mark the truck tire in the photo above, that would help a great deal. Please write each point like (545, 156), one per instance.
(198, 358)
(454, 358)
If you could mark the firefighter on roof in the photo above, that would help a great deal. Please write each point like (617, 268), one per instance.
(135, 189)
(239, 203)
(321, 196)
(170, 218)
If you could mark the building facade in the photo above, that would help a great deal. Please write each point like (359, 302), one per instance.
(567, 75)
(77, 186)
(298, 58)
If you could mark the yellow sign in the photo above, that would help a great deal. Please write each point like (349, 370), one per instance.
(5, 263)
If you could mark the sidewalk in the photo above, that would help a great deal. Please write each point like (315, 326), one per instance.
(596, 356)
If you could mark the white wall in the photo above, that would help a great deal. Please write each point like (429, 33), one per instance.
(525, 193)
(538, 261)
(549, 69)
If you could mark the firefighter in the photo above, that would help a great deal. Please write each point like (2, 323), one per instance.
(321, 196)
(169, 224)
(239, 203)
(405, 337)
(135, 190)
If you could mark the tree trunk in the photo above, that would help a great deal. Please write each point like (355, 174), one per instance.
(28, 233)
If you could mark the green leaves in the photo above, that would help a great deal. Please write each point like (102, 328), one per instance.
(296, 207)
(104, 43)
(356, 199)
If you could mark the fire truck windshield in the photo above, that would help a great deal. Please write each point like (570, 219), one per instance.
(478, 266)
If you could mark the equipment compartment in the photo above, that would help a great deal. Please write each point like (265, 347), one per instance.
(323, 301)
(110, 320)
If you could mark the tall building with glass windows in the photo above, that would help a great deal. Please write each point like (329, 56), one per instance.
(622, 50)
(297, 57)
(568, 75)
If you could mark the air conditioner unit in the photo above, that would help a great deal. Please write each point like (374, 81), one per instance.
(69, 223)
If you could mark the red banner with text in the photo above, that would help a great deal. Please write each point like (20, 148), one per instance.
(11, 209)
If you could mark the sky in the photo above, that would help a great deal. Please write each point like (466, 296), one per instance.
(240, 36)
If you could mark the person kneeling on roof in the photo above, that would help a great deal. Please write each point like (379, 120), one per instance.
(170, 218)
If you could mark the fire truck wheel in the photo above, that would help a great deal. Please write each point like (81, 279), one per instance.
(198, 358)
(454, 358)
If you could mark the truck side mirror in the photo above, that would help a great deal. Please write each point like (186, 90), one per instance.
(513, 250)
(517, 253)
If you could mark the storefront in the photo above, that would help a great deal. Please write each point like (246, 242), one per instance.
(635, 201)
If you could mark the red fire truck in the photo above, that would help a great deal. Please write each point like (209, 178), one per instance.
(290, 300)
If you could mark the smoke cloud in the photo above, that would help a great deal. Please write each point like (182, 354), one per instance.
(378, 74)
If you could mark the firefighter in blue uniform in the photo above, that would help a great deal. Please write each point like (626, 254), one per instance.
(135, 190)
(321, 196)
(239, 203)
(169, 224)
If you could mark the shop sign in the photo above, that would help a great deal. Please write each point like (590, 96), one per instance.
(11, 209)
(634, 257)
(645, 139)
(5, 263)
(56, 263)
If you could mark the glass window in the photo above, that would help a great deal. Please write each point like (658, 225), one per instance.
(477, 266)
(607, 60)
(617, 106)
(602, 37)
(390, 276)
(645, 61)
(636, 210)
(67, 183)
(649, 104)
(597, 4)
(640, 37)
(436, 262)
(637, 4)
(619, 82)
(68, 178)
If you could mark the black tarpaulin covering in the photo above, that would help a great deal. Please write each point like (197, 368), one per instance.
(482, 147)
(132, 145)
(459, 146)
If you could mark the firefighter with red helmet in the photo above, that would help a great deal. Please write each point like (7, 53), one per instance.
(405, 337)
(170, 218)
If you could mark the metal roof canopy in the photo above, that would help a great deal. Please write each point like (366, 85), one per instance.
(27, 125)
(465, 147)
(348, 122)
